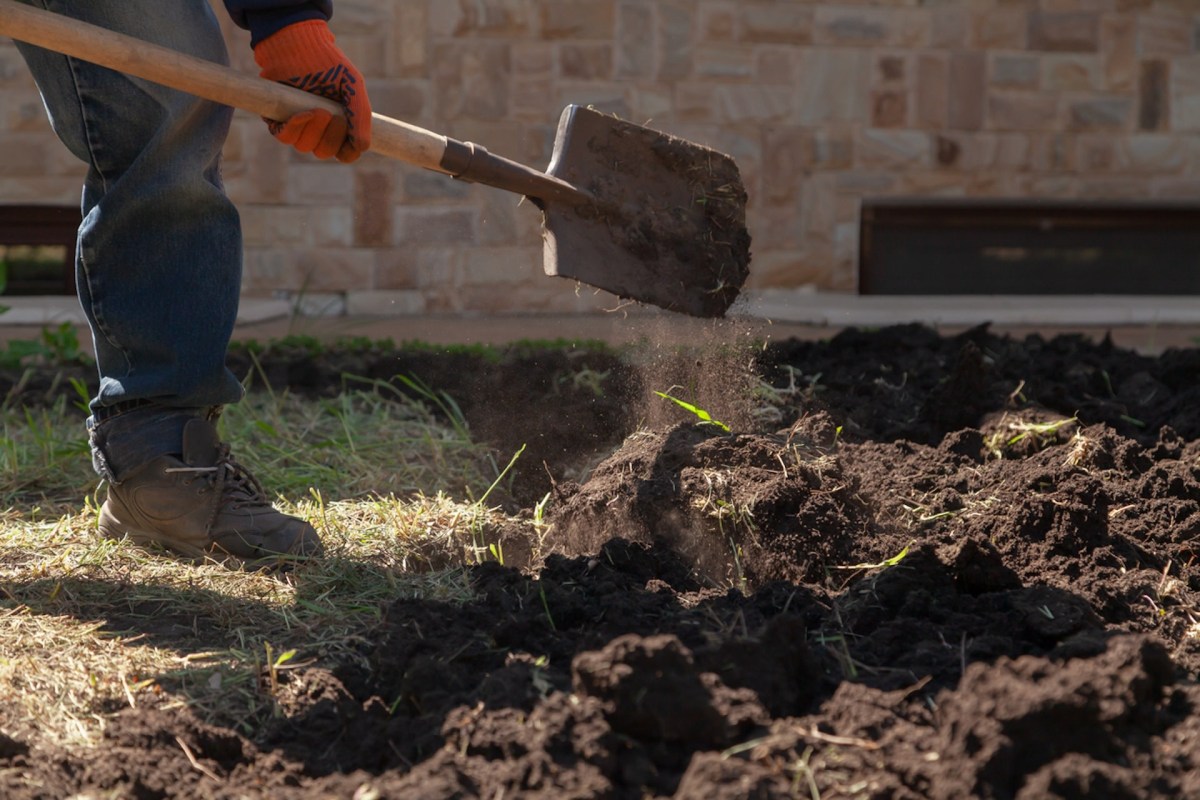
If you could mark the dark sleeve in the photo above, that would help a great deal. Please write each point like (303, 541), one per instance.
(264, 17)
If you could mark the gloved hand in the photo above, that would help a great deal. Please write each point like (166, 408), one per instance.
(305, 55)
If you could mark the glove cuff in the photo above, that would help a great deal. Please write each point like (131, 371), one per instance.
(292, 47)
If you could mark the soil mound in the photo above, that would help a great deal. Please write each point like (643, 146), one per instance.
(940, 567)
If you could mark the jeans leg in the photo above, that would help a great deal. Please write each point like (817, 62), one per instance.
(159, 255)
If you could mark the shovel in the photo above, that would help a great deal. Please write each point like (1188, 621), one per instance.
(630, 210)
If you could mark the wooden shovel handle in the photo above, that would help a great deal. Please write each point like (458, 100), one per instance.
(221, 84)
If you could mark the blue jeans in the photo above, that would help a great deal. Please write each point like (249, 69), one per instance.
(159, 254)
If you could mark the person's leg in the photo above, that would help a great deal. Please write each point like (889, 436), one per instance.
(158, 263)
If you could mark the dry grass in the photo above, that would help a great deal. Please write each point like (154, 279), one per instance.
(89, 627)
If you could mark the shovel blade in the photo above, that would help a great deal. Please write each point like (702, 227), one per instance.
(665, 219)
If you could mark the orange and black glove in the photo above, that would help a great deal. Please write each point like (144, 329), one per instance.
(305, 55)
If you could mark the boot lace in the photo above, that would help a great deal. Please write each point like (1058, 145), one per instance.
(233, 484)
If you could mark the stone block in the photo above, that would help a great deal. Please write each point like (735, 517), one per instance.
(258, 173)
(889, 108)
(1011, 152)
(833, 85)
(533, 58)
(424, 186)
(501, 266)
(1153, 96)
(777, 228)
(725, 62)
(528, 98)
(1165, 35)
(1052, 152)
(497, 221)
(586, 61)
(1100, 113)
(1183, 188)
(288, 226)
(307, 271)
(396, 269)
(676, 25)
(897, 149)
(940, 183)
(849, 26)
(1067, 31)
(635, 40)
(773, 64)
(933, 91)
(1000, 28)
(400, 99)
(717, 22)
(333, 227)
(1119, 51)
(695, 102)
(786, 159)
(319, 184)
(832, 148)
(1096, 153)
(434, 226)
(1184, 111)
(1150, 153)
(968, 83)
(374, 199)
(25, 155)
(465, 18)
(254, 226)
(437, 269)
(774, 22)
(950, 27)
(408, 54)
(1113, 187)
(1021, 111)
(891, 70)
(470, 80)
(361, 17)
(383, 303)
(334, 270)
(787, 269)
(1010, 71)
(577, 19)
(818, 208)
(748, 103)
(367, 52)
(14, 75)
(311, 304)
(847, 205)
(23, 112)
(1072, 72)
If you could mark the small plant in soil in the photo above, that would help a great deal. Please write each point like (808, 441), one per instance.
(700, 414)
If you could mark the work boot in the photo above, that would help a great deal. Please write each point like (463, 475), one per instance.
(202, 503)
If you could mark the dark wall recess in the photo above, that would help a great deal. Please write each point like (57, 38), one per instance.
(957, 246)
(37, 249)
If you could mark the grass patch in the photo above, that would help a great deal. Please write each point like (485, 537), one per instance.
(88, 627)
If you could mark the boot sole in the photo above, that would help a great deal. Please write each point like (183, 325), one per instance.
(112, 528)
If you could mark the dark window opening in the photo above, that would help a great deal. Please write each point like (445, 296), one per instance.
(935, 246)
(37, 250)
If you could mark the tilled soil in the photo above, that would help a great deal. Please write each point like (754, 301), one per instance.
(937, 567)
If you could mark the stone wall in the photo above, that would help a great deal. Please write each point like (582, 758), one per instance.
(821, 104)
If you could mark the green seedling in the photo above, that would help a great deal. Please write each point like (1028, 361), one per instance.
(888, 562)
(546, 606)
(704, 417)
(57, 347)
(1039, 432)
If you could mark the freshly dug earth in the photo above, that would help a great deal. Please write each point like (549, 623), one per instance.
(936, 566)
